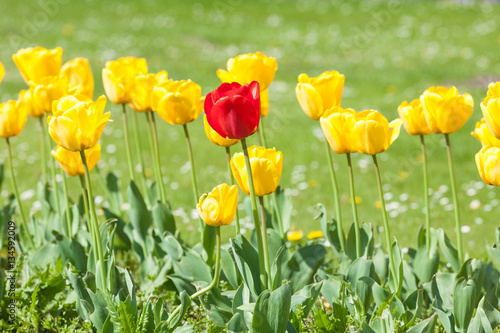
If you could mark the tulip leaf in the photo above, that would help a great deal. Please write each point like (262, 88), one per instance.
(285, 208)
(242, 297)
(163, 218)
(247, 261)
(329, 229)
(425, 266)
(173, 247)
(449, 251)
(272, 310)
(138, 212)
(425, 326)
(366, 242)
(229, 269)
(359, 268)
(185, 303)
(306, 297)
(193, 266)
(464, 303)
(113, 186)
(302, 266)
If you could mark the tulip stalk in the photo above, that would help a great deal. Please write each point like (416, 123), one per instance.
(87, 215)
(53, 173)
(254, 210)
(43, 151)
(336, 198)
(264, 240)
(353, 205)
(127, 143)
(14, 184)
(153, 142)
(262, 135)
(426, 199)
(386, 222)
(191, 161)
(138, 152)
(231, 182)
(68, 215)
(455, 199)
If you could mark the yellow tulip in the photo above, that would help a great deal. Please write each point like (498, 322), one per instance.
(266, 164)
(491, 108)
(488, 165)
(318, 94)
(118, 77)
(2, 72)
(27, 103)
(219, 206)
(77, 122)
(337, 124)
(484, 135)
(414, 118)
(71, 162)
(37, 63)
(177, 102)
(294, 236)
(264, 103)
(246, 68)
(315, 234)
(215, 137)
(46, 91)
(372, 133)
(13, 117)
(79, 76)
(142, 90)
(446, 111)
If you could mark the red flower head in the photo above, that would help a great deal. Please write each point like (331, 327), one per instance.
(233, 110)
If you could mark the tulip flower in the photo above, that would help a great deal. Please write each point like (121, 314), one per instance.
(219, 206)
(46, 91)
(77, 122)
(372, 133)
(484, 135)
(266, 165)
(488, 165)
(445, 110)
(215, 137)
(71, 161)
(13, 117)
(142, 90)
(233, 110)
(318, 94)
(337, 124)
(118, 77)
(177, 102)
(491, 109)
(413, 118)
(2, 72)
(79, 76)
(37, 63)
(250, 67)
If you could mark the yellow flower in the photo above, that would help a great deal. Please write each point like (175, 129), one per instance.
(264, 103)
(414, 118)
(215, 137)
(118, 77)
(445, 110)
(315, 234)
(246, 68)
(488, 165)
(71, 162)
(491, 108)
(142, 90)
(318, 94)
(77, 122)
(266, 164)
(13, 117)
(294, 236)
(219, 206)
(2, 72)
(27, 103)
(37, 63)
(177, 102)
(337, 124)
(484, 135)
(46, 91)
(372, 133)
(79, 76)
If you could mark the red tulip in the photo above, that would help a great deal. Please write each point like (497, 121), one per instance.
(233, 110)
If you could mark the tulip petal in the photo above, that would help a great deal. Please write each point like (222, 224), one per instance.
(310, 100)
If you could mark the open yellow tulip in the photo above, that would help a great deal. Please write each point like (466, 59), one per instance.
(219, 206)
(118, 77)
(13, 117)
(46, 91)
(372, 133)
(337, 124)
(413, 118)
(177, 102)
(142, 90)
(37, 63)
(71, 162)
(79, 76)
(488, 165)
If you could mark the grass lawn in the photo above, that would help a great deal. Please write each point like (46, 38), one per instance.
(389, 52)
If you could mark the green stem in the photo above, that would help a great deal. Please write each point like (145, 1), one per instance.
(153, 146)
(43, 151)
(53, 173)
(264, 240)
(386, 222)
(191, 161)
(231, 181)
(354, 207)
(336, 197)
(97, 234)
(127, 143)
(278, 213)
(68, 215)
(138, 152)
(157, 152)
(262, 133)
(254, 211)
(87, 215)
(426, 199)
(455, 199)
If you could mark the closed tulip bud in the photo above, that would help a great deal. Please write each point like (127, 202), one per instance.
(77, 122)
(491, 109)
(142, 90)
(13, 117)
(372, 133)
(46, 91)
(233, 110)
(118, 77)
(484, 135)
(446, 111)
(2, 72)
(413, 118)
(337, 124)
(219, 206)
(71, 162)
(488, 165)
(266, 164)
(215, 137)
(177, 102)
(318, 94)
(79, 76)
(246, 68)
(37, 63)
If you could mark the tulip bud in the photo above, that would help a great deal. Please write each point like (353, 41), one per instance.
(337, 124)
(177, 102)
(142, 90)
(118, 77)
(71, 162)
(13, 117)
(413, 118)
(219, 206)
(372, 133)
(37, 63)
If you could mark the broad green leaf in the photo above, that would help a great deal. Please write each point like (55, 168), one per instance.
(366, 241)
(426, 326)
(247, 260)
(425, 266)
(302, 266)
(138, 211)
(359, 268)
(163, 218)
(285, 207)
(449, 251)
(173, 247)
(185, 303)
(228, 268)
(272, 311)
(464, 303)
(329, 229)
(306, 297)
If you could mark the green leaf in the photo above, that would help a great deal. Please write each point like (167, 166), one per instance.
(306, 297)
(172, 247)
(138, 211)
(366, 242)
(209, 238)
(442, 286)
(303, 264)
(492, 314)
(464, 303)
(426, 326)
(425, 266)
(247, 260)
(116, 200)
(185, 303)
(449, 251)
(329, 229)
(192, 266)
(285, 207)
(163, 218)
(359, 268)
(272, 310)
(229, 269)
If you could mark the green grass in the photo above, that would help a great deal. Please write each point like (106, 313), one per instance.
(388, 54)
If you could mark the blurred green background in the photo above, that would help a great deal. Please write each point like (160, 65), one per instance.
(388, 51)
